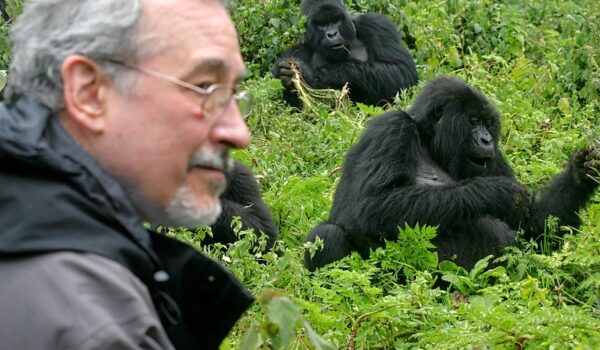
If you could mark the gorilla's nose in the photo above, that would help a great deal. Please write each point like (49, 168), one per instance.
(332, 34)
(483, 142)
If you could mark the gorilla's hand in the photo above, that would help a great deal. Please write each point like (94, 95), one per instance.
(586, 164)
(502, 197)
(521, 205)
(285, 72)
(288, 68)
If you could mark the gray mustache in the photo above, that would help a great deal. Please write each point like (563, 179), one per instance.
(212, 159)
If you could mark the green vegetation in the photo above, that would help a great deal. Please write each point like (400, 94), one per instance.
(539, 63)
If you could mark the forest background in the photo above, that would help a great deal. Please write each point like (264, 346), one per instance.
(538, 62)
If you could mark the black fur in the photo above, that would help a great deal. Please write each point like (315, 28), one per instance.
(370, 56)
(439, 164)
(242, 198)
(3, 12)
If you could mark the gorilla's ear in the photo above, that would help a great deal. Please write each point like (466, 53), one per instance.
(308, 7)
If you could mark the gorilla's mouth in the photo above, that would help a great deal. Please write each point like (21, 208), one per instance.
(480, 162)
(336, 47)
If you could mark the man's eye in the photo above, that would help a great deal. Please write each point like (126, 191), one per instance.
(204, 86)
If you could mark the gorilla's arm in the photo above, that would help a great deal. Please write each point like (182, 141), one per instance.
(567, 193)
(369, 82)
(456, 203)
(382, 166)
(242, 198)
(282, 70)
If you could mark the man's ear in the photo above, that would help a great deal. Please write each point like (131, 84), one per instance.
(85, 89)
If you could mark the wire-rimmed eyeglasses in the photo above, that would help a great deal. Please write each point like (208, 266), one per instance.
(217, 97)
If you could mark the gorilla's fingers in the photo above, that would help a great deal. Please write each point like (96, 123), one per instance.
(285, 64)
(286, 72)
(523, 200)
(287, 82)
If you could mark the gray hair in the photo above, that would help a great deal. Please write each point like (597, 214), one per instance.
(49, 31)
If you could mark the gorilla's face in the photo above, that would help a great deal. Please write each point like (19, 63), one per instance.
(481, 148)
(466, 138)
(330, 31)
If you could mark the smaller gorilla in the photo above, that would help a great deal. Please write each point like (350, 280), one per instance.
(440, 164)
(365, 53)
(242, 198)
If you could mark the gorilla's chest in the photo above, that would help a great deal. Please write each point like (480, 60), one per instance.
(358, 51)
(429, 173)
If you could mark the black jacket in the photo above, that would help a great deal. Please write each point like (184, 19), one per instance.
(56, 197)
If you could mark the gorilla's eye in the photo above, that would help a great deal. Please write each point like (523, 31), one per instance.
(319, 22)
(474, 121)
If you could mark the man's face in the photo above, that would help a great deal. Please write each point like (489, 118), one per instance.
(169, 156)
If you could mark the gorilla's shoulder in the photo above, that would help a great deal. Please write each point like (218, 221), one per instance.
(375, 22)
(381, 37)
(371, 19)
(392, 123)
(239, 169)
(388, 134)
(241, 176)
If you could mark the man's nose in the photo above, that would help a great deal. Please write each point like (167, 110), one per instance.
(231, 129)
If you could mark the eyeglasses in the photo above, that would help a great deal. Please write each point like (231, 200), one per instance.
(217, 97)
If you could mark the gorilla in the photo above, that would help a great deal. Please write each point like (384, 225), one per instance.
(440, 164)
(364, 52)
(242, 198)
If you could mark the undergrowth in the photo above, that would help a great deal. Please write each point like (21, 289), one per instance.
(538, 62)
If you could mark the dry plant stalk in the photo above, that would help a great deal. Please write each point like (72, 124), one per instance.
(595, 147)
(310, 97)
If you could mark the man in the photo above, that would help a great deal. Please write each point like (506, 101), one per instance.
(117, 112)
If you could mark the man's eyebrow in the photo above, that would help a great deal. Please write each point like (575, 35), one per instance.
(215, 64)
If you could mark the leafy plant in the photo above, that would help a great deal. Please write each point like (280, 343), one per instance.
(537, 61)
(411, 252)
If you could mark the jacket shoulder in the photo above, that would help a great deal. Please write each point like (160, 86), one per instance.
(81, 301)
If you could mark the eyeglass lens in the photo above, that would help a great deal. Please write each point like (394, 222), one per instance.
(220, 98)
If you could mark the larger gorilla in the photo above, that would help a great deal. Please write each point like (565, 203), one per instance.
(365, 53)
(440, 164)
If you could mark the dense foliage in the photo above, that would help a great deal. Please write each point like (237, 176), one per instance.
(538, 61)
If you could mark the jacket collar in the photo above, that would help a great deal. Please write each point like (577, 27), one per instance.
(31, 134)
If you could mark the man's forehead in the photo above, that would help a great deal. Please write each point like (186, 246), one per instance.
(198, 34)
(173, 18)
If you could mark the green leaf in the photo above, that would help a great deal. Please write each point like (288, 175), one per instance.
(251, 339)
(480, 266)
(285, 314)
(454, 58)
(315, 339)
(498, 271)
